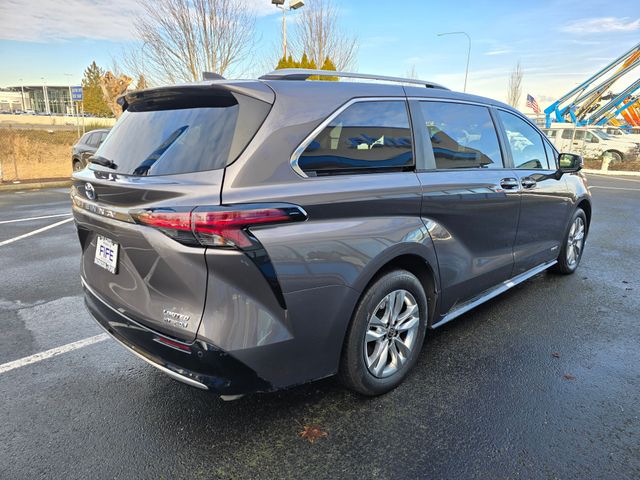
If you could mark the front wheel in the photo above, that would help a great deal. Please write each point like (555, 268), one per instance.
(386, 334)
(571, 251)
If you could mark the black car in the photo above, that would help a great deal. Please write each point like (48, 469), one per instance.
(87, 146)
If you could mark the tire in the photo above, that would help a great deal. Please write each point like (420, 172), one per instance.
(77, 165)
(572, 247)
(380, 364)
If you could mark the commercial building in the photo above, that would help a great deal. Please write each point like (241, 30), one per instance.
(50, 99)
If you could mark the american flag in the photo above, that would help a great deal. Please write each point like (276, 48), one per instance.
(532, 104)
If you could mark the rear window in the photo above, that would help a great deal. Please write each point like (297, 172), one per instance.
(166, 136)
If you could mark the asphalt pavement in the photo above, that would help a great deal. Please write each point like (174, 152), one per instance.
(540, 383)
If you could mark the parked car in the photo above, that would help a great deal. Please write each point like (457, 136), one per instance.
(622, 134)
(592, 142)
(246, 236)
(86, 147)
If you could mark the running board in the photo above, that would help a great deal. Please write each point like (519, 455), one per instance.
(491, 293)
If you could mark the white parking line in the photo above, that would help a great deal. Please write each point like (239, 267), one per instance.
(35, 218)
(616, 188)
(607, 177)
(34, 232)
(38, 357)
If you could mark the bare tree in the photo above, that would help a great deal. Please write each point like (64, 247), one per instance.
(319, 34)
(182, 38)
(514, 91)
(412, 73)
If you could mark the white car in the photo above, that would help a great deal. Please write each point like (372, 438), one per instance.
(592, 142)
(622, 134)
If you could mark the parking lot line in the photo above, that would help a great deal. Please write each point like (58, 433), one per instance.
(38, 357)
(615, 188)
(35, 218)
(34, 232)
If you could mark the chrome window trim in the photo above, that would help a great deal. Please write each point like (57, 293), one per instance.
(316, 131)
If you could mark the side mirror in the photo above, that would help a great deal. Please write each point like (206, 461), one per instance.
(570, 162)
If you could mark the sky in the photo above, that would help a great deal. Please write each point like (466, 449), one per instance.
(559, 43)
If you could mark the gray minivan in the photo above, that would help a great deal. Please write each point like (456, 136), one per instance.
(252, 235)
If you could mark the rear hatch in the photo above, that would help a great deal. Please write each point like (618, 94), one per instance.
(164, 158)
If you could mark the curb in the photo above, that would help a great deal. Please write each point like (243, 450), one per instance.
(34, 185)
(617, 173)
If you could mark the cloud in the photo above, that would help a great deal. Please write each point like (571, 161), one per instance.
(56, 20)
(602, 25)
(498, 52)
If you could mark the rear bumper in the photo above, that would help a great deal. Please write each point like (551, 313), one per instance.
(198, 364)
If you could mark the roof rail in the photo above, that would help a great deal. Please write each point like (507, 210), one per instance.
(304, 74)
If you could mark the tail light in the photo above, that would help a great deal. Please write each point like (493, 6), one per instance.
(217, 226)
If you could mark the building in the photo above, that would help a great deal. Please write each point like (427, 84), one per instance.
(51, 99)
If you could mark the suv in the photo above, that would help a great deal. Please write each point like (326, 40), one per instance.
(246, 236)
(86, 147)
(593, 143)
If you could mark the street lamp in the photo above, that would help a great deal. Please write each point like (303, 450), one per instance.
(293, 5)
(466, 72)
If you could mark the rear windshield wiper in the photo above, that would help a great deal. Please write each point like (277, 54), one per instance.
(105, 162)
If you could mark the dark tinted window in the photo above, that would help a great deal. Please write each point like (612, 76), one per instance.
(366, 137)
(151, 139)
(579, 135)
(525, 142)
(567, 134)
(462, 136)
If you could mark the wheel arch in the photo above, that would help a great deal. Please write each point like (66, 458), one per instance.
(417, 259)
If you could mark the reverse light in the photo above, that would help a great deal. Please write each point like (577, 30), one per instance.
(218, 226)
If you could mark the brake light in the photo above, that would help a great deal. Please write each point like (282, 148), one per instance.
(218, 226)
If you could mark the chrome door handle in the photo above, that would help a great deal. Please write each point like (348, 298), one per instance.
(528, 182)
(509, 183)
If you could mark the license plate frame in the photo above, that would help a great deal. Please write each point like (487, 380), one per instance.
(106, 254)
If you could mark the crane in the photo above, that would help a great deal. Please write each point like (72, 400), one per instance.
(582, 105)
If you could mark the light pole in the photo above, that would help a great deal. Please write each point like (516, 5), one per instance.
(293, 5)
(466, 72)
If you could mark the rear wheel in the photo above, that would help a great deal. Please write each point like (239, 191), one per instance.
(386, 334)
(571, 251)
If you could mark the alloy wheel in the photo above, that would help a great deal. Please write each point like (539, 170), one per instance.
(575, 241)
(391, 333)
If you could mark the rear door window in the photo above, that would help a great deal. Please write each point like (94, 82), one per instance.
(368, 136)
(462, 136)
(159, 136)
(526, 144)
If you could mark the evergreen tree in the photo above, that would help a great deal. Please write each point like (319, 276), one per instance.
(329, 65)
(93, 99)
